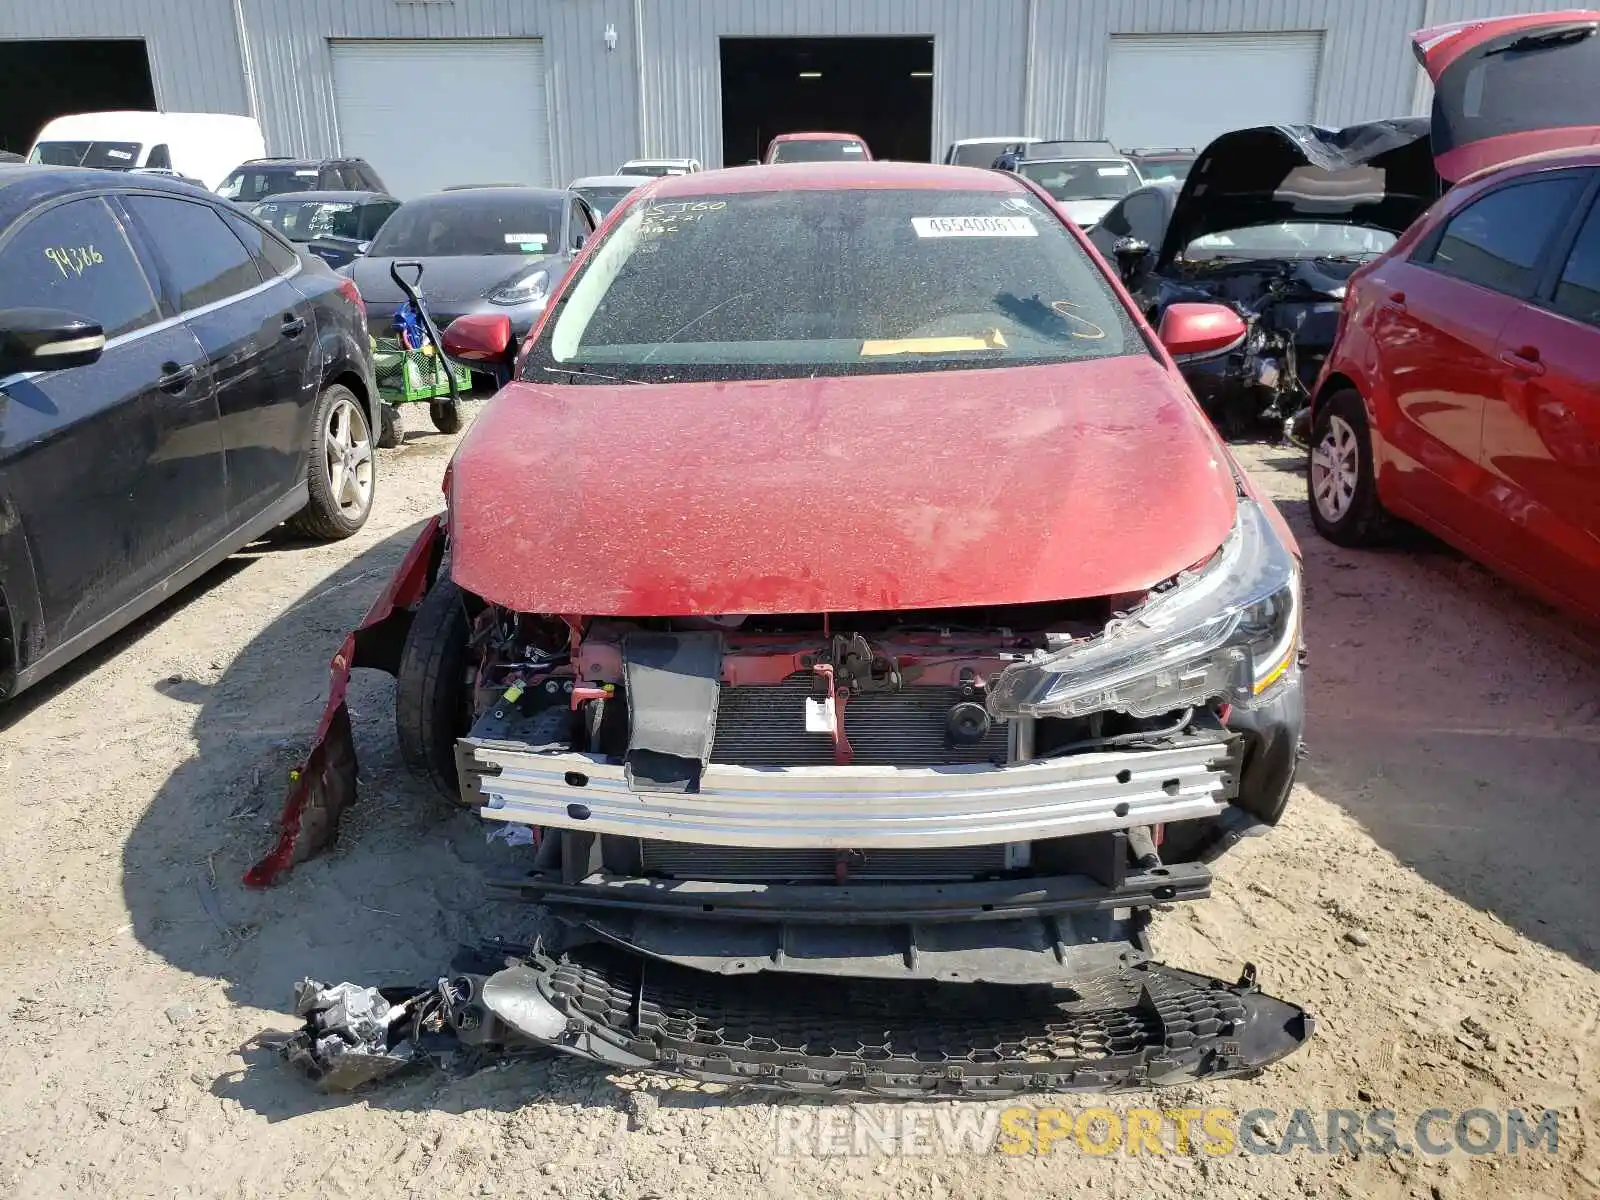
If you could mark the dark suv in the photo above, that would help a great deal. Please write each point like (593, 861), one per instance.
(261, 177)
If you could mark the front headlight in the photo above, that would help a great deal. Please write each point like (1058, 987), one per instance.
(1227, 630)
(1338, 293)
(533, 286)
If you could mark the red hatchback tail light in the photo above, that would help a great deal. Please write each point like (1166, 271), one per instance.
(349, 290)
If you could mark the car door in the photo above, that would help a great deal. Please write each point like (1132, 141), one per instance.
(257, 331)
(1437, 336)
(114, 470)
(1541, 437)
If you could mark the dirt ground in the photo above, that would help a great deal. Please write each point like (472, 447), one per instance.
(1431, 897)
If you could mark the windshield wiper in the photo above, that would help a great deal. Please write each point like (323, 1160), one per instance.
(574, 372)
(1548, 39)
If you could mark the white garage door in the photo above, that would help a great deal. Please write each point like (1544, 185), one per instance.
(427, 114)
(1184, 90)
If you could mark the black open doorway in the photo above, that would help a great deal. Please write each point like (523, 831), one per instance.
(42, 78)
(880, 88)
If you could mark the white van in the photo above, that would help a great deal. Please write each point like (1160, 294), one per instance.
(203, 146)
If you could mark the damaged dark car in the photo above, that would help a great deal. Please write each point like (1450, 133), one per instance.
(1271, 221)
(870, 644)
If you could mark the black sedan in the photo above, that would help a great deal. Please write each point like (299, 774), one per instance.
(175, 380)
(482, 250)
(335, 226)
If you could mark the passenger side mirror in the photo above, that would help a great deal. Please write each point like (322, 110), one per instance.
(47, 339)
(478, 337)
(1133, 257)
(579, 242)
(1192, 332)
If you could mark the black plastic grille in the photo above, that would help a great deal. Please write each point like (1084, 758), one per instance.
(1128, 1014)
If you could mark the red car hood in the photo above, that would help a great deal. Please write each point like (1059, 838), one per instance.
(1505, 87)
(962, 487)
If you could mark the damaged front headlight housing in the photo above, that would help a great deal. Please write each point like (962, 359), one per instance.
(1227, 630)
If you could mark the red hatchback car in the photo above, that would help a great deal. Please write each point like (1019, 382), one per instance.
(1463, 392)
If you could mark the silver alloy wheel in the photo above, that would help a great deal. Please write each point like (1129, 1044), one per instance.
(1335, 469)
(349, 452)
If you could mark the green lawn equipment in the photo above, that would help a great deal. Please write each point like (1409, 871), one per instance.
(411, 366)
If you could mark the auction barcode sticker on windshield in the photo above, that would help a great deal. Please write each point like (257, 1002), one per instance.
(934, 227)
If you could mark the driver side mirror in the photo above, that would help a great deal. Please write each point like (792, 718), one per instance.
(478, 337)
(579, 242)
(47, 339)
(1192, 332)
(1133, 258)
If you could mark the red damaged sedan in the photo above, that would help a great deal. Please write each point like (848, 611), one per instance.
(854, 604)
(1463, 391)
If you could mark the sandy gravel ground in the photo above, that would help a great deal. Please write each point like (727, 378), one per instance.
(1431, 896)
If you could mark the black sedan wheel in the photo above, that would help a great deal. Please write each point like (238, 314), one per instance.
(341, 469)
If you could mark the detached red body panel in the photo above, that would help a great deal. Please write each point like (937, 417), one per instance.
(325, 784)
(946, 488)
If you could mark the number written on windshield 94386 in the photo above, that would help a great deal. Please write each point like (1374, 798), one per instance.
(73, 260)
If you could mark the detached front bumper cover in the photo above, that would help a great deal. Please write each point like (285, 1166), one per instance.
(1144, 1025)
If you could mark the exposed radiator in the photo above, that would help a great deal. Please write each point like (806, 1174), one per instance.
(765, 727)
(680, 860)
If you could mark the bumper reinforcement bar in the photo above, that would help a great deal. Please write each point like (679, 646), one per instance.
(1143, 1025)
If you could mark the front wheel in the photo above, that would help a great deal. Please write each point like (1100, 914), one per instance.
(1342, 482)
(433, 692)
(341, 469)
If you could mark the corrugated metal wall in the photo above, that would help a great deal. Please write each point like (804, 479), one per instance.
(193, 46)
(986, 79)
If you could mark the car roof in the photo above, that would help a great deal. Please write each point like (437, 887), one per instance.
(555, 195)
(611, 180)
(658, 161)
(996, 140)
(1564, 156)
(332, 196)
(23, 185)
(1072, 158)
(113, 125)
(817, 135)
(276, 161)
(879, 174)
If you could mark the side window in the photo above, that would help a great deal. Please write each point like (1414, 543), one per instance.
(373, 217)
(1578, 292)
(1116, 221)
(1144, 218)
(272, 257)
(200, 256)
(160, 156)
(578, 224)
(76, 257)
(1496, 240)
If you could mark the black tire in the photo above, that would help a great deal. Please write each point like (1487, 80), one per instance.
(446, 417)
(432, 704)
(326, 516)
(390, 432)
(1340, 468)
